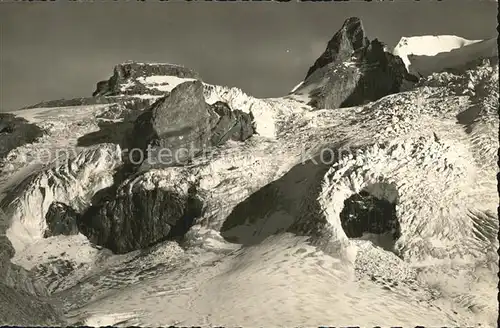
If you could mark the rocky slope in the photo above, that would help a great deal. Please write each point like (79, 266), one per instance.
(312, 209)
(24, 301)
(134, 78)
(351, 71)
(15, 132)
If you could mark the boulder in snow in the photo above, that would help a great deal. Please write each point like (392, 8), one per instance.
(61, 220)
(234, 125)
(140, 216)
(175, 128)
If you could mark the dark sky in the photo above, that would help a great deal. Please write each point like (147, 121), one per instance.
(60, 50)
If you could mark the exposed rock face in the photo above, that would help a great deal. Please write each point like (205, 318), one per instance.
(176, 127)
(5, 127)
(350, 38)
(102, 88)
(182, 125)
(6, 253)
(352, 71)
(23, 309)
(15, 276)
(134, 221)
(61, 220)
(235, 125)
(22, 299)
(139, 217)
(15, 132)
(127, 78)
(412, 141)
(364, 213)
(374, 75)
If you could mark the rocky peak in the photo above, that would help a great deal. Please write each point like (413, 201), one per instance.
(144, 78)
(350, 38)
(352, 71)
(133, 85)
(129, 70)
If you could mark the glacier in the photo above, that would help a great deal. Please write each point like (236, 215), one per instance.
(270, 245)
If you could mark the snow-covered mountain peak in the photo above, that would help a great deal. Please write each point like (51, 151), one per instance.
(426, 54)
(430, 45)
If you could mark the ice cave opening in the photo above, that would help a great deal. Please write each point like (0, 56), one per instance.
(371, 215)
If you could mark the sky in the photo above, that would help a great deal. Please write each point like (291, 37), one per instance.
(62, 49)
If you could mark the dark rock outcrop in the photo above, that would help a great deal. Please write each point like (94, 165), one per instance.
(176, 128)
(23, 301)
(15, 132)
(353, 71)
(182, 125)
(23, 309)
(139, 219)
(232, 125)
(13, 275)
(5, 127)
(61, 220)
(102, 88)
(364, 213)
(130, 72)
(367, 217)
(6, 253)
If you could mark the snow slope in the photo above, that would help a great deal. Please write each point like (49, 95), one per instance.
(158, 82)
(75, 182)
(292, 282)
(428, 45)
(270, 248)
(456, 58)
